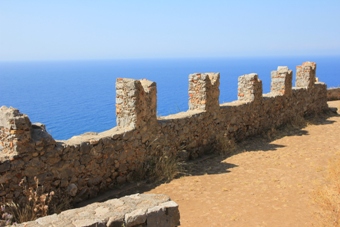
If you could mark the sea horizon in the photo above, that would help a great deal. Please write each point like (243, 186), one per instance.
(76, 96)
(306, 56)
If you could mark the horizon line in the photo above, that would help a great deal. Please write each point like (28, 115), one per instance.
(167, 58)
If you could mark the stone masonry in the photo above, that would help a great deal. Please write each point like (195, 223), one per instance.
(333, 94)
(204, 91)
(305, 75)
(136, 210)
(249, 88)
(281, 83)
(131, 93)
(15, 130)
(86, 165)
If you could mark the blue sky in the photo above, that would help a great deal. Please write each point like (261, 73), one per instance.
(64, 30)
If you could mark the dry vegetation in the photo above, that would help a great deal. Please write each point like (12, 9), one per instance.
(35, 203)
(225, 146)
(159, 168)
(327, 196)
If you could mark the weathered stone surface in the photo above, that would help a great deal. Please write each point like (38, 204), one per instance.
(159, 215)
(45, 221)
(281, 83)
(171, 209)
(305, 75)
(136, 102)
(5, 166)
(156, 216)
(136, 217)
(40, 135)
(15, 131)
(204, 91)
(249, 88)
(333, 94)
(129, 211)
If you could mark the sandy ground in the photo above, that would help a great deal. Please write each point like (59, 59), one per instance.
(271, 183)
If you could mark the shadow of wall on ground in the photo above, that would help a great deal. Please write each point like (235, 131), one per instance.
(215, 163)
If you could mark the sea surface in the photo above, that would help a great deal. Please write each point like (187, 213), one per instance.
(74, 97)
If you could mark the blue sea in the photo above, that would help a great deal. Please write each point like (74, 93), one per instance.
(74, 97)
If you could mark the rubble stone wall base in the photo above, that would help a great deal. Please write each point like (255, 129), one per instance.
(142, 210)
(333, 94)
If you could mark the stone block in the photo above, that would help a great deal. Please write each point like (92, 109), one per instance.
(249, 88)
(281, 83)
(204, 91)
(130, 211)
(136, 103)
(5, 166)
(136, 217)
(156, 216)
(305, 75)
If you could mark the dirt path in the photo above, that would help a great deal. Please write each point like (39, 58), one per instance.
(271, 184)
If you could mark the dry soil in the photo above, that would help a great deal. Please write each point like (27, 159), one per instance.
(270, 183)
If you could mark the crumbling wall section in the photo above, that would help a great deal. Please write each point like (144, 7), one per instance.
(15, 131)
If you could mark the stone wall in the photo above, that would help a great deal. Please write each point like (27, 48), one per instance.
(137, 210)
(204, 91)
(86, 165)
(305, 74)
(333, 94)
(281, 83)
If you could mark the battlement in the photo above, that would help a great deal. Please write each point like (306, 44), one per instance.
(136, 103)
(305, 75)
(88, 164)
(281, 83)
(249, 88)
(204, 91)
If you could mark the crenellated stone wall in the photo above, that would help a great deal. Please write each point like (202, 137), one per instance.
(86, 165)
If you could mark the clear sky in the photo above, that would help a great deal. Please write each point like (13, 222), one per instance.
(87, 29)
